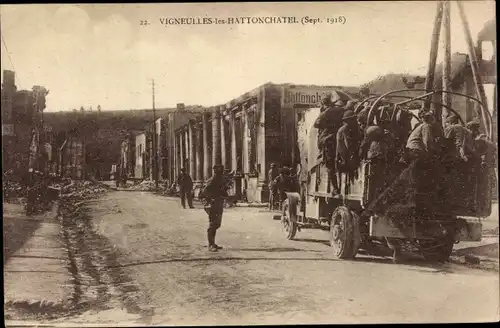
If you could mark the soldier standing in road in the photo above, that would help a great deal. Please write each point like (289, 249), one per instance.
(214, 193)
(283, 184)
(271, 175)
(185, 184)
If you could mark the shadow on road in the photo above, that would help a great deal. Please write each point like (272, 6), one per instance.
(412, 261)
(220, 258)
(16, 232)
(272, 249)
(312, 240)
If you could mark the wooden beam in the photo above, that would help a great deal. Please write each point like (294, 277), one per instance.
(446, 97)
(485, 116)
(429, 81)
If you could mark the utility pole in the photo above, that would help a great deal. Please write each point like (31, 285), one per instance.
(429, 81)
(155, 150)
(446, 97)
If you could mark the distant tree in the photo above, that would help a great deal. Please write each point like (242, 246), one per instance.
(99, 108)
(74, 110)
(90, 109)
(82, 109)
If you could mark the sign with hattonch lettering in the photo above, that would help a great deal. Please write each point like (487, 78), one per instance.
(307, 96)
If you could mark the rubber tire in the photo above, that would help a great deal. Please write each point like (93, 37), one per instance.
(285, 218)
(440, 254)
(350, 234)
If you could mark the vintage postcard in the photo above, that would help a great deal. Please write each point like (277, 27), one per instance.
(250, 163)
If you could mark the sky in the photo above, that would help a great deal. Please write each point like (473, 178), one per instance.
(100, 54)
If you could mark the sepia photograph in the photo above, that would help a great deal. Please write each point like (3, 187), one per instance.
(253, 163)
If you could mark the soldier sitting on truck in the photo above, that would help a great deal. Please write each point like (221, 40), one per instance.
(349, 138)
(421, 141)
(373, 149)
(461, 137)
(328, 123)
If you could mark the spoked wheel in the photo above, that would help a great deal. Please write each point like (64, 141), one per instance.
(289, 227)
(344, 233)
(437, 250)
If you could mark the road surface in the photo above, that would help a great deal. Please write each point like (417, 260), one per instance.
(259, 277)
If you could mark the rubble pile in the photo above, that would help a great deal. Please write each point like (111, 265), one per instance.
(146, 185)
(13, 190)
(79, 190)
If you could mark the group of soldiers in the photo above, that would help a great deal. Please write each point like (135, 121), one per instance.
(214, 194)
(345, 138)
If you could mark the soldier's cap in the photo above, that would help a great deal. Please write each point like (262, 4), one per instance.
(218, 166)
(348, 114)
(273, 164)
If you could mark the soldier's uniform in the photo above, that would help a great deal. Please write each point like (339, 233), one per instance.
(284, 182)
(421, 141)
(214, 193)
(185, 184)
(349, 138)
(273, 195)
(328, 123)
(461, 137)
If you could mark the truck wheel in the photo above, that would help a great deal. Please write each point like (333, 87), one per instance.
(289, 227)
(344, 233)
(438, 250)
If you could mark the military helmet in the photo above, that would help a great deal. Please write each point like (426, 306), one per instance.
(350, 105)
(326, 98)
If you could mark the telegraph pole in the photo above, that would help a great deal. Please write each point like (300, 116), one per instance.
(155, 150)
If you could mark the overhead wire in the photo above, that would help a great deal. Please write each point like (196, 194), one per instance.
(11, 62)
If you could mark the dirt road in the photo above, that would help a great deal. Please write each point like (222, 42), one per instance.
(262, 278)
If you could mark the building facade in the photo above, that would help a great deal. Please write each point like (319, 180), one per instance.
(72, 158)
(140, 156)
(128, 156)
(175, 121)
